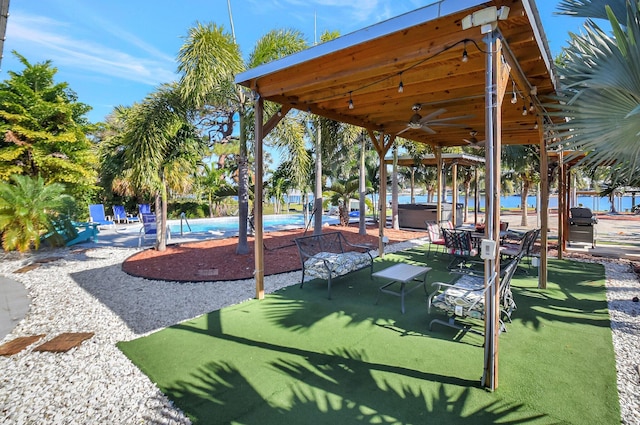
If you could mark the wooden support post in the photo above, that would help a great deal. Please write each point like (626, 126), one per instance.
(454, 192)
(561, 205)
(544, 207)
(438, 153)
(382, 148)
(257, 200)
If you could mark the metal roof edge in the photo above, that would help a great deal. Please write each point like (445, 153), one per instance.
(381, 29)
(541, 38)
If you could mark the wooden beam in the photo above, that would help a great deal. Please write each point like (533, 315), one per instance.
(274, 120)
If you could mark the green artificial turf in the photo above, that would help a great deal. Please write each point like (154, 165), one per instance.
(297, 357)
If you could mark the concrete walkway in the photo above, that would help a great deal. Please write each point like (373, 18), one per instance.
(14, 304)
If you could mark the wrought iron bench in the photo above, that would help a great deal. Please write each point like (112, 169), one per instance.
(465, 298)
(330, 255)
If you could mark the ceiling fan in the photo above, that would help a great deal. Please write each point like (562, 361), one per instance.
(473, 141)
(418, 122)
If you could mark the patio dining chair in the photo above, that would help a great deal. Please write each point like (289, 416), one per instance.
(435, 237)
(521, 249)
(459, 244)
(97, 215)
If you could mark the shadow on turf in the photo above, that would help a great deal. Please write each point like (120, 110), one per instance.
(327, 394)
(341, 385)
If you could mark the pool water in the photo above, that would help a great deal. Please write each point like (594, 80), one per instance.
(229, 225)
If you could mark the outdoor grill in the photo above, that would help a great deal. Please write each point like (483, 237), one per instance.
(582, 226)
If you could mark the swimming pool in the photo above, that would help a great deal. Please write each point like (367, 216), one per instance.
(228, 226)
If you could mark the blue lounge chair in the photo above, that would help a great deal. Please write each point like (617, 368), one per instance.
(96, 215)
(144, 209)
(120, 215)
(149, 228)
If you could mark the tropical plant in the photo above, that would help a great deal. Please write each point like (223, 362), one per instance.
(600, 96)
(44, 127)
(114, 176)
(25, 206)
(211, 182)
(208, 61)
(341, 192)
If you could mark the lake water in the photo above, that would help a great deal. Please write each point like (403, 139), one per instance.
(593, 202)
(229, 225)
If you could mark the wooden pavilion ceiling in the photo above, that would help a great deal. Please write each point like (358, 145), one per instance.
(425, 55)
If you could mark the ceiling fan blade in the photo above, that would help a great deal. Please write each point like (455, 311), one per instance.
(444, 124)
(456, 118)
(433, 115)
(402, 131)
(474, 143)
(428, 130)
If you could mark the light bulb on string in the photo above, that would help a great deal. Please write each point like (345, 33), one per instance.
(514, 99)
(465, 55)
(350, 101)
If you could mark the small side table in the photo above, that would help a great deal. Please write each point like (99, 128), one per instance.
(402, 274)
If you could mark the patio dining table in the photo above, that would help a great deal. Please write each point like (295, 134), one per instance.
(477, 236)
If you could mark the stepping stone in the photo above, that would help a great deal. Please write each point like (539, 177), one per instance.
(27, 268)
(64, 342)
(48, 260)
(13, 347)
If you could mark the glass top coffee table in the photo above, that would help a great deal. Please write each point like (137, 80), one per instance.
(402, 274)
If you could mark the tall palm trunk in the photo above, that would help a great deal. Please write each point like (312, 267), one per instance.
(524, 194)
(317, 196)
(243, 190)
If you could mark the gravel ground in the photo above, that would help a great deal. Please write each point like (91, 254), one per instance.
(86, 291)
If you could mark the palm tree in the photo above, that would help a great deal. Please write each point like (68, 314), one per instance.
(522, 163)
(600, 88)
(25, 206)
(340, 193)
(208, 62)
(162, 149)
(211, 183)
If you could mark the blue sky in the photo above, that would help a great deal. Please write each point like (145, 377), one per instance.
(116, 52)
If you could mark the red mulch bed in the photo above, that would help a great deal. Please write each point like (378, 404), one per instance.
(216, 259)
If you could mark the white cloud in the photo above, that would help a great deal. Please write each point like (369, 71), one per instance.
(38, 36)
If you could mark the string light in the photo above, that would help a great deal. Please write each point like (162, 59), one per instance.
(531, 107)
(524, 110)
(535, 126)
(414, 65)
(514, 99)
